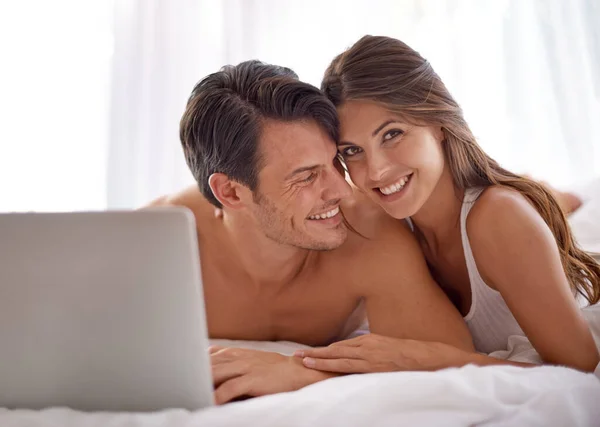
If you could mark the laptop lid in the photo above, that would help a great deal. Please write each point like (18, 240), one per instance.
(102, 311)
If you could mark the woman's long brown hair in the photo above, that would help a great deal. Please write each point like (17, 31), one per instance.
(387, 71)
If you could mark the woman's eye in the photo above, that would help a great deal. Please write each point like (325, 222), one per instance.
(392, 134)
(351, 151)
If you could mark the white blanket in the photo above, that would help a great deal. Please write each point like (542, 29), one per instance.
(490, 396)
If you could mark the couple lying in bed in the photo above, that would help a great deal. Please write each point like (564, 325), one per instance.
(445, 252)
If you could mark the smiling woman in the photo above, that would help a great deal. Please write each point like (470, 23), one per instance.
(380, 170)
(497, 243)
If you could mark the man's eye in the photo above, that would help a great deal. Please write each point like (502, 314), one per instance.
(351, 151)
(310, 178)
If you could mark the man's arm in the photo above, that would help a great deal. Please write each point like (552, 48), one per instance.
(402, 299)
(242, 372)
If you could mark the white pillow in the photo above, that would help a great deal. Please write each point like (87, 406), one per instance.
(585, 224)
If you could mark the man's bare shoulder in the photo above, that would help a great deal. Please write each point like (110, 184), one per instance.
(382, 254)
(368, 222)
(190, 198)
(376, 242)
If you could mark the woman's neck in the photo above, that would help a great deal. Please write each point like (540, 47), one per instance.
(439, 217)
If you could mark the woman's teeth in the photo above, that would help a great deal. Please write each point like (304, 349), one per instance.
(326, 215)
(394, 188)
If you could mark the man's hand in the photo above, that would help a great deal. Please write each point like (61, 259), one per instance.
(239, 372)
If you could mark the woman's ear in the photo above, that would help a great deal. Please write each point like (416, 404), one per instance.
(439, 134)
(225, 190)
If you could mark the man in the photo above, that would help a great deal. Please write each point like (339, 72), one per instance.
(280, 262)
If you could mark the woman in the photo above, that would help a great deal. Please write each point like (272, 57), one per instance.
(497, 243)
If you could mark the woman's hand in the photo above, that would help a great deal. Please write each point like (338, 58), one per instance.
(376, 353)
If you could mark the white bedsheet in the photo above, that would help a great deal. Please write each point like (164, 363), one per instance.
(490, 396)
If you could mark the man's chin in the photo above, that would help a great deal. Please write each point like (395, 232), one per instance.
(330, 240)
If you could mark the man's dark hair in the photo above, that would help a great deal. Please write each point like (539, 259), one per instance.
(221, 126)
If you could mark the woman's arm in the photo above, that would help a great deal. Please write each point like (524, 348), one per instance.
(378, 353)
(516, 254)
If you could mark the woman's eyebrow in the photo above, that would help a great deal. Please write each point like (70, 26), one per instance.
(375, 132)
(384, 124)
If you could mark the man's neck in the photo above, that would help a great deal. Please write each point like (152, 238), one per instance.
(439, 217)
(267, 263)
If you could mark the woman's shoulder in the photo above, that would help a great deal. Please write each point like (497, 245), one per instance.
(500, 206)
(503, 219)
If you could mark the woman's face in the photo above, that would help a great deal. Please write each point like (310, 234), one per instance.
(396, 164)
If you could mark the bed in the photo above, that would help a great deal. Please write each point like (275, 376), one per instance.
(468, 396)
(498, 396)
(489, 396)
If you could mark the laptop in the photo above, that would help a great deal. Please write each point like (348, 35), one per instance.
(102, 311)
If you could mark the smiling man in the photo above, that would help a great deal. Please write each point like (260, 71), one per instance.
(280, 262)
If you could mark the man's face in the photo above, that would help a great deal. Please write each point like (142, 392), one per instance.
(300, 188)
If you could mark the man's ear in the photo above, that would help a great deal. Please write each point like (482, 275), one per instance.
(226, 191)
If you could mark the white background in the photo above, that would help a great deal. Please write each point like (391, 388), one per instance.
(91, 92)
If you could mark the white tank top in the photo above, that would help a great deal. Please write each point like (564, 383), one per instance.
(489, 319)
